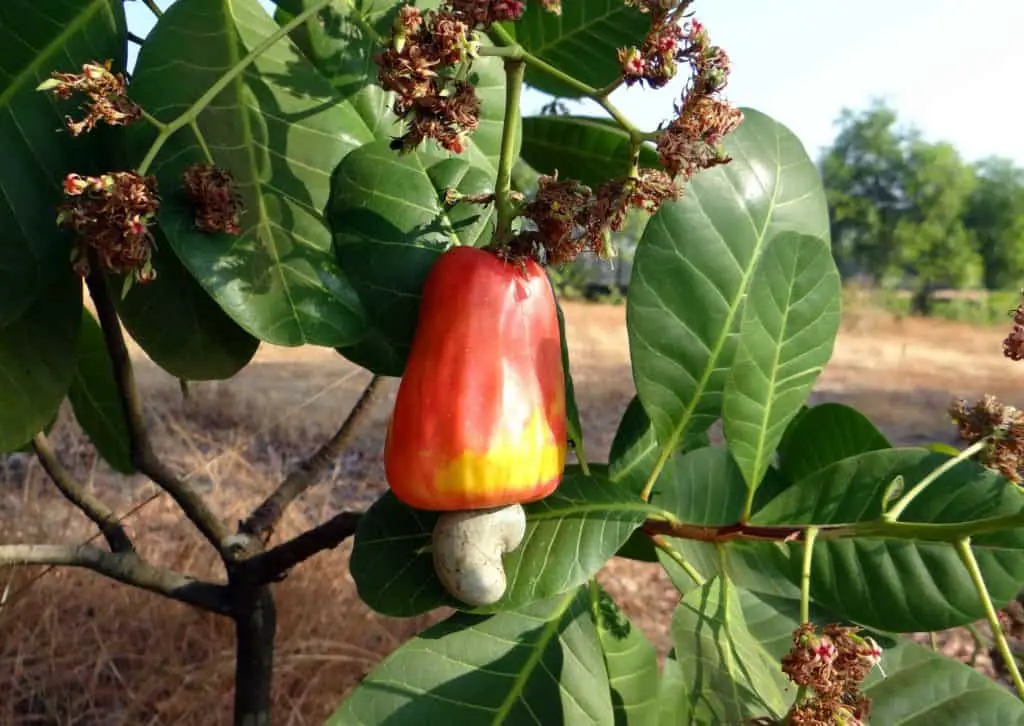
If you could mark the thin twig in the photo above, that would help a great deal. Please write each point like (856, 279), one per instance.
(151, 4)
(138, 40)
(81, 497)
(142, 454)
(261, 522)
(272, 564)
(125, 567)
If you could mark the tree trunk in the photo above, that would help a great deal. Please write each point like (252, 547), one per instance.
(921, 302)
(255, 627)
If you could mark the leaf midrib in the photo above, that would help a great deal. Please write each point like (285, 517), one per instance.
(716, 352)
(515, 693)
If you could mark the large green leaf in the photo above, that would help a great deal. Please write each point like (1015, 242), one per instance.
(280, 130)
(703, 486)
(37, 360)
(572, 411)
(95, 400)
(583, 41)
(579, 148)
(342, 51)
(825, 434)
(179, 326)
(695, 261)
(790, 321)
(569, 537)
(38, 38)
(726, 674)
(390, 225)
(631, 661)
(917, 687)
(635, 448)
(539, 664)
(906, 585)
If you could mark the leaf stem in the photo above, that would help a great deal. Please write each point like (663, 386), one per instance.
(511, 48)
(151, 4)
(514, 71)
(898, 508)
(810, 535)
(192, 112)
(676, 556)
(963, 548)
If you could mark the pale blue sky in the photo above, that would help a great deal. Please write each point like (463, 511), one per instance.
(952, 69)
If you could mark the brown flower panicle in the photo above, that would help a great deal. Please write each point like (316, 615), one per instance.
(1013, 344)
(483, 13)
(1005, 424)
(106, 93)
(692, 141)
(435, 106)
(833, 665)
(216, 204)
(655, 62)
(109, 215)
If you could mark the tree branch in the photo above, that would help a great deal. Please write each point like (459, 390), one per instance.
(142, 454)
(104, 517)
(272, 564)
(261, 522)
(126, 567)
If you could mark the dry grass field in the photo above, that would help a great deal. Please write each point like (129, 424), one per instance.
(77, 649)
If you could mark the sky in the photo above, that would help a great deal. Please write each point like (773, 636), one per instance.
(952, 73)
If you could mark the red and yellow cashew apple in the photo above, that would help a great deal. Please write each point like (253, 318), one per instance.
(479, 421)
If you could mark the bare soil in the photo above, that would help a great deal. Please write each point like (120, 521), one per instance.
(77, 649)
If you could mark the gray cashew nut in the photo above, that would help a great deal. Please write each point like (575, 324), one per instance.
(468, 547)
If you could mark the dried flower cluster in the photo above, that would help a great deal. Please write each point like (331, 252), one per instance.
(568, 218)
(110, 215)
(105, 91)
(1005, 424)
(1013, 345)
(482, 13)
(833, 665)
(692, 141)
(656, 60)
(216, 203)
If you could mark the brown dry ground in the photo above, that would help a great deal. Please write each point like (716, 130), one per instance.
(78, 649)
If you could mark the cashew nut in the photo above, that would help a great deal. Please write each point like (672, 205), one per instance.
(468, 547)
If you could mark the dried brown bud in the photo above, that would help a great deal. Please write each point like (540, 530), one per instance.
(216, 204)
(482, 13)
(110, 215)
(106, 92)
(1005, 424)
(1013, 345)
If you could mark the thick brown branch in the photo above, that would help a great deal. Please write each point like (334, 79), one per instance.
(261, 522)
(142, 454)
(272, 564)
(721, 534)
(104, 517)
(126, 567)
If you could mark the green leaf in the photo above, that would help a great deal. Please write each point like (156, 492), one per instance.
(726, 674)
(572, 411)
(922, 688)
(279, 129)
(824, 435)
(631, 662)
(390, 225)
(789, 325)
(38, 38)
(540, 663)
(37, 360)
(570, 535)
(95, 400)
(580, 148)
(179, 326)
(342, 51)
(582, 42)
(635, 450)
(703, 487)
(848, 491)
(763, 567)
(693, 266)
(906, 585)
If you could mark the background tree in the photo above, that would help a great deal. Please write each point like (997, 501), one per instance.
(995, 216)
